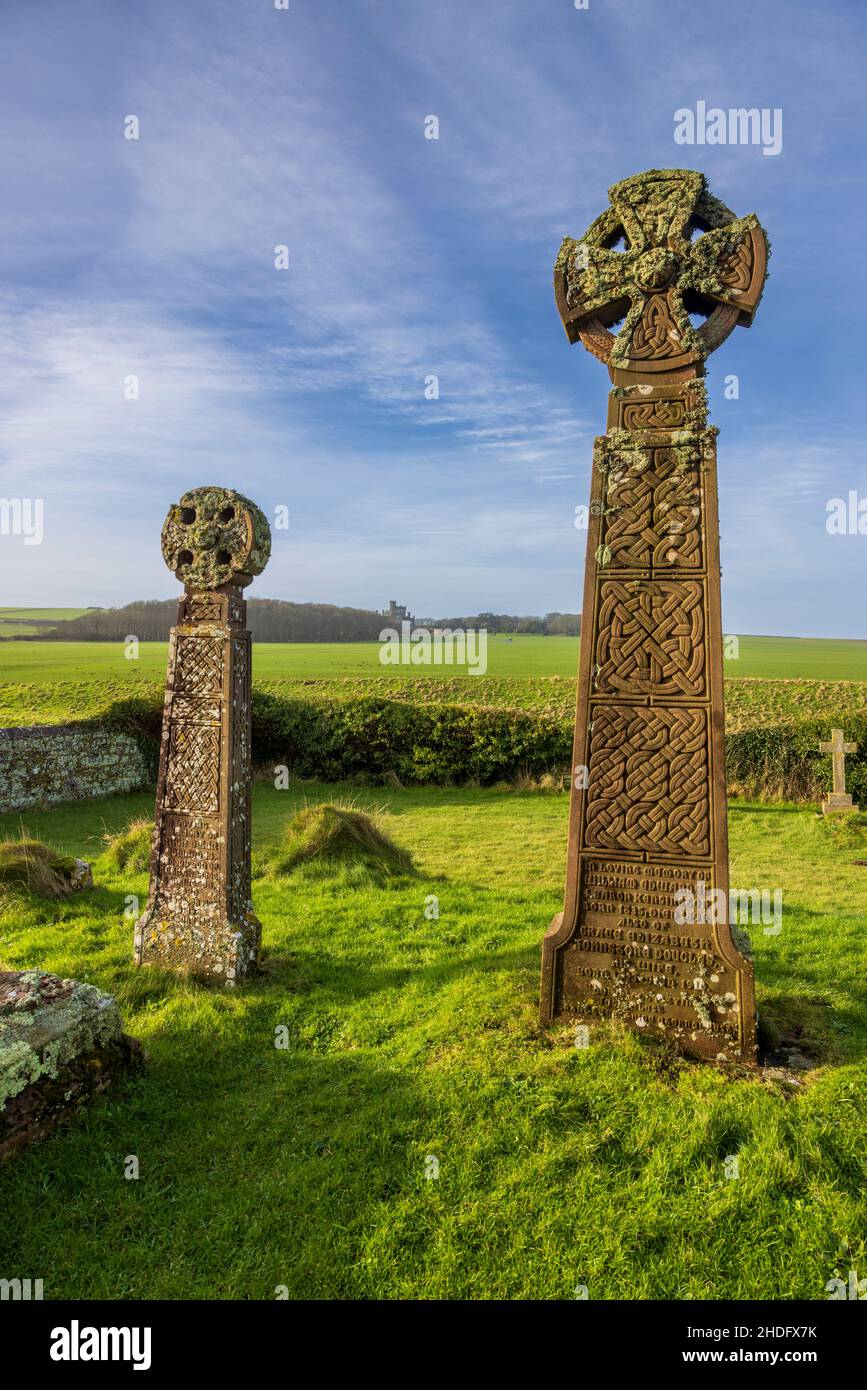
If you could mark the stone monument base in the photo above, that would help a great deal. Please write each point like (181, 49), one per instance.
(61, 1042)
(835, 802)
(220, 950)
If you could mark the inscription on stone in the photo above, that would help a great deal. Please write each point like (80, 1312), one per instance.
(632, 959)
(647, 828)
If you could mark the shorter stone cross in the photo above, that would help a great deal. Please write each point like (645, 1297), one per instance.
(839, 799)
(199, 917)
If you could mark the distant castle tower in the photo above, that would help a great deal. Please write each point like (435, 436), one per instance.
(398, 613)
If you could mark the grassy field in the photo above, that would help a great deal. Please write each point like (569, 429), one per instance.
(25, 622)
(42, 682)
(411, 1038)
(42, 614)
(517, 657)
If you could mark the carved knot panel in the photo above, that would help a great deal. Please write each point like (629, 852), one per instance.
(652, 510)
(651, 638)
(193, 775)
(199, 666)
(648, 781)
(647, 816)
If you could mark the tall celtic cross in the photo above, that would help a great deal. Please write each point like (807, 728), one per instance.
(644, 935)
(838, 799)
(199, 915)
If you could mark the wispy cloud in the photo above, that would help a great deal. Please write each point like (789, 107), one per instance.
(408, 260)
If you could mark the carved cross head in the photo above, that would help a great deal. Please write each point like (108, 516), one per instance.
(664, 253)
(214, 536)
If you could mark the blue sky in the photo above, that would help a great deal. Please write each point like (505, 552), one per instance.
(408, 257)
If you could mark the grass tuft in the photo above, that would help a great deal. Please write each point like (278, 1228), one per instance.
(31, 867)
(130, 849)
(335, 836)
(846, 829)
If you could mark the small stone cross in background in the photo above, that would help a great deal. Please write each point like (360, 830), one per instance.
(838, 799)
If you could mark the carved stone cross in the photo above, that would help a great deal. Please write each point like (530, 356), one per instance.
(199, 915)
(839, 799)
(647, 829)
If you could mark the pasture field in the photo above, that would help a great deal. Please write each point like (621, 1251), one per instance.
(24, 622)
(44, 682)
(519, 657)
(750, 704)
(42, 614)
(411, 1037)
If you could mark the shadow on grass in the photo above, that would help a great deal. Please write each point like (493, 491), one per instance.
(244, 1149)
(822, 1031)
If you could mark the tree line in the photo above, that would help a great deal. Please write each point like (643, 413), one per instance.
(269, 620)
(552, 625)
(276, 620)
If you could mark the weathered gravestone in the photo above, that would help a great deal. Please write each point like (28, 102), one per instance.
(647, 831)
(838, 799)
(61, 1042)
(199, 914)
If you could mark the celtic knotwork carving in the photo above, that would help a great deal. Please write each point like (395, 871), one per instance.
(653, 513)
(203, 608)
(196, 709)
(648, 780)
(193, 776)
(656, 334)
(665, 250)
(736, 271)
(654, 415)
(651, 638)
(239, 886)
(199, 668)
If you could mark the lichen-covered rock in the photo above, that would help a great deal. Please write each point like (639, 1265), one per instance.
(81, 875)
(40, 765)
(61, 1041)
(214, 536)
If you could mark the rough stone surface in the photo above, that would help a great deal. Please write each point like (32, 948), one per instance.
(215, 536)
(199, 915)
(82, 875)
(648, 806)
(61, 1041)
(44, 764)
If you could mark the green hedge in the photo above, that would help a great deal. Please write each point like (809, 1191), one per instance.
(784, 760)
(336, 738)
(420, 742)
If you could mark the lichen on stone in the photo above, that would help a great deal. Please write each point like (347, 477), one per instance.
(215, 536)
(45, 1023)
(654, 215)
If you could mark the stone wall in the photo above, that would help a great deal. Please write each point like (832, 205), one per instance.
(68, 762)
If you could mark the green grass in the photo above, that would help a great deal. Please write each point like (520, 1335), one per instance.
(773, 679)
(26, 622)
(412, 1036)
(518, 657)
(43, 614)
